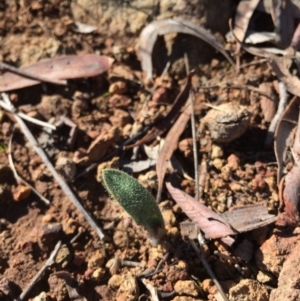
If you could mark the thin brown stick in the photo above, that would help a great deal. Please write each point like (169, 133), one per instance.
(208, 269)
(26, 74)
(193, 122)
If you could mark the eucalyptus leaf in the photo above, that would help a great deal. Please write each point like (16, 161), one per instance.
(136, 200)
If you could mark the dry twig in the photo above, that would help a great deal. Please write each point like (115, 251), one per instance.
(17, 177)
(10, 108)
(195, 153)
(208, 269)
(47, 264)
(64, 186)
(281, 106)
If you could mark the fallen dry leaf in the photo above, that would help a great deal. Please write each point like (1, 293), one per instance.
(248, 217)
(243, 15)
(171, 142)
(296, 38)
(291, 190)
(150, 33)
(284, 22)
(66, 67)
(211, 223)
(268, 104)
(281, 67)
(283, 139)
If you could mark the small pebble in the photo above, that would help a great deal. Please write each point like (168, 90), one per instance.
(97, 260)
(186, 287)
(218, 163)
(216, 152)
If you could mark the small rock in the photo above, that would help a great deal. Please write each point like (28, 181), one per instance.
(218, 163)
(63, 256)
(48, 232)
(258, 183)
(129, 287)
(98, 274)
(216, 151)
(126, 130)
(97, 260)
(70, 226)
(207, 284)
(186, 287)
(149, 179)
(263, 277)
(120, 118)
(221, 208)
(66, 168)
(249, 290)
(21, 192)
(120, 238)
(115, 281)
(233, 162)
(160, 95)
(169, 217)
(121, 71)
(118, 87)
(227, 122)
(119, 101)
(48, 218)
(172, 231)
(235, 186)
(42, 297)
(156, 253)
(186, 147)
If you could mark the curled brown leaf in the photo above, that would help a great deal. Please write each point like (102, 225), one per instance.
(150, 33)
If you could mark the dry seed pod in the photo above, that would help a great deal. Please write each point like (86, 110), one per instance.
(227, 122)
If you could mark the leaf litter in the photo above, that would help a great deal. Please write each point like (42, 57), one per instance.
(239, 190)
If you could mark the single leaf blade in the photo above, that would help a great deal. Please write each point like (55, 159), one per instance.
(135, 199)
(66, 67)
(169, 147)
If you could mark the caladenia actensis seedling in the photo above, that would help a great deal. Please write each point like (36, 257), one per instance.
(137, 202)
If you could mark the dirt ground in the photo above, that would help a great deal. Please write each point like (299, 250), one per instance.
(239, 172)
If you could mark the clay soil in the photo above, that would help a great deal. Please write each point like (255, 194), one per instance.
(108, 105)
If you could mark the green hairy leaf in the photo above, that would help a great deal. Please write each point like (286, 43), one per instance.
(136, 200)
